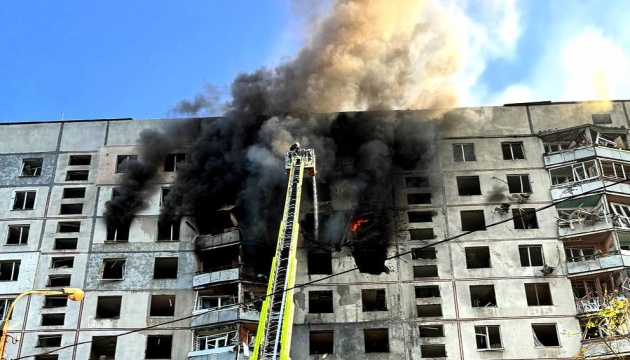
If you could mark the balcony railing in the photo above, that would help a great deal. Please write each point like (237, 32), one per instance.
(229, 313)
(599, 262)
(203, 242)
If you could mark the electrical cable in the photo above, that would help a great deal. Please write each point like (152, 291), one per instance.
(298, 286)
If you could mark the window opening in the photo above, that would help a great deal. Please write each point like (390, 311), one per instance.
(319, 262)
(579, 254)
(216, 341)
(424, 271)
(74, 193)
(468, 185)
(159, 347)
(164, 194)
(18, 234)
(77, 175)
(488, 337)
(477, 257)
(103, 347)
(108, 307)
(71, 209)
(78, 160)
(320, 302)
(48, 340)
(162, 305)
(58, 280)
(4, 308)
(421, 234)
(545, 335)
(62, 262)
(419, 198)
(165, 268)
(429, 331)
(213, 302)
(416, 182)
(53, 319)
(65, 244)
(321, 342)
(431, 310)
(376, 340)
(512, 150)
(9, 270)
(433, 351)
(24, 200)
(420, 216)
(472, 220)
(483, 296)
(32, 167)
(427, 291)
(69, 226)
(373, 300)
(173, 161)
(119, 232)
(531, 255)
(424, 254)
(124, 161)
(52, 301)
(538, 294)
(525, 218)
(168, 230)
(518, 184)
(113, 269)
(463, 152)
(601, 119)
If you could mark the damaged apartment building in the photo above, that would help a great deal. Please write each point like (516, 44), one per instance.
(537, 189)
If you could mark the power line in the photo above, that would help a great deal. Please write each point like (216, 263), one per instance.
(298, 286)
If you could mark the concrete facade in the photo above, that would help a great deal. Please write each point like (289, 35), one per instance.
(428, 305)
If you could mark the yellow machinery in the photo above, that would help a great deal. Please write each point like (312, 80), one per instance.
(273, 339)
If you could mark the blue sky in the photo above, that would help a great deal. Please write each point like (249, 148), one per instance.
(140, 58)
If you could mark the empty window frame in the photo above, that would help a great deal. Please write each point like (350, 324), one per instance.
(551, 147)
(622, 215)
(32, 167)
(159, 347)
(118, 232)
(525, 218)
(4, 307)
(416, 182)
(601, 119)
(115, 193)
(376, 340)
(168, 230)
(572, 173)
(531, 255)
(420, 216)
(320, 302)
(431, 331)
(77, 175)
(18, 234)
(53, 301)
(108, 307)
(164, 194)
(103, 347)
(463, 152)
(482, 296)
(173, 161)
(217, 342)
(512, 150)
(429, 310)
(48, 340)
(69, 226)
(62, 262)
(123, 162)
(433, 351)
(65, 244)
(162, 305)
(425, 271)
(59, 280)
(321, 342)
(423, 254)
(519, 184)
(53, 319)
(468, 185)
(9, 270)
(421, 234)
(74, 193)
(545, 335)
(79, 160)
(23, 200)
(477, 257)
(427, 291)
(319, 262)
(373, 300)
(419, 198)
(614, 169)
(46, 357)
(212, 302)
(472, 220)
(538, 294)
(165, 268)
(575, 254)
(71, 209)
(488, 337)
(113, 269)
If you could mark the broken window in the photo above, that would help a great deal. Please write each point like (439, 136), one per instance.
(32, 167)
(421, 234)
(433, 351)
(621, 217)
(173, 161)
(416, 182)
(431, 310)
(18, 234)
(24, 200)
(576, 172)
(103, 347)
(376, 340)
(483, 296)
(118, 232)
(159, 347)
(420, 216)
(218, 342)
(319, 262)
(531, 255)
(614, 169)
(468, 185)
(52, 301)
(601, 119)
(212, 302)
(472, 220)
(419, 198)
(53, 319)
(551, 147)
(519, 184)
(524, 218)
(71, 209)
(427, 291)
(373, 300)
(538, 294)
(430, 331)
(488, 337)
(545, 335)
(165, 268)
(574, 254)
(162, 305)
(46, 357)
(168, 230)
(464, 152)
(4, 308)
(423, 271)
(78, 160)
(477, 257)
(424, 254)
(164, 194)
(320, 302)
(48, 340)
(65, 244)
(68, 226)
(77, 175)
(74, 193)
(115, 193)
(9, 270)
(108, 307)
(62, 262)
(113, 269)
(58, 280)
(321, 342)
(123, 162)
(512, 150)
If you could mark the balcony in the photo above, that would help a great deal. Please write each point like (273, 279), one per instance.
(587, 306)
(215, 277)
(595, 183)
(228, 313)
(205, 355)
(596, 348)
(570, 155)
(603, 262)
(203, 242)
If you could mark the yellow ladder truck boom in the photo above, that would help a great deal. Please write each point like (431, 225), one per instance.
(273, 338)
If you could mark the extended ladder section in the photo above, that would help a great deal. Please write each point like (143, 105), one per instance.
(276, 318)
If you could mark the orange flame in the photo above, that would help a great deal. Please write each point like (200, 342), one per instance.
(356, 224)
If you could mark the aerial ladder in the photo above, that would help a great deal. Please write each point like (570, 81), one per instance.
(273, 338)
